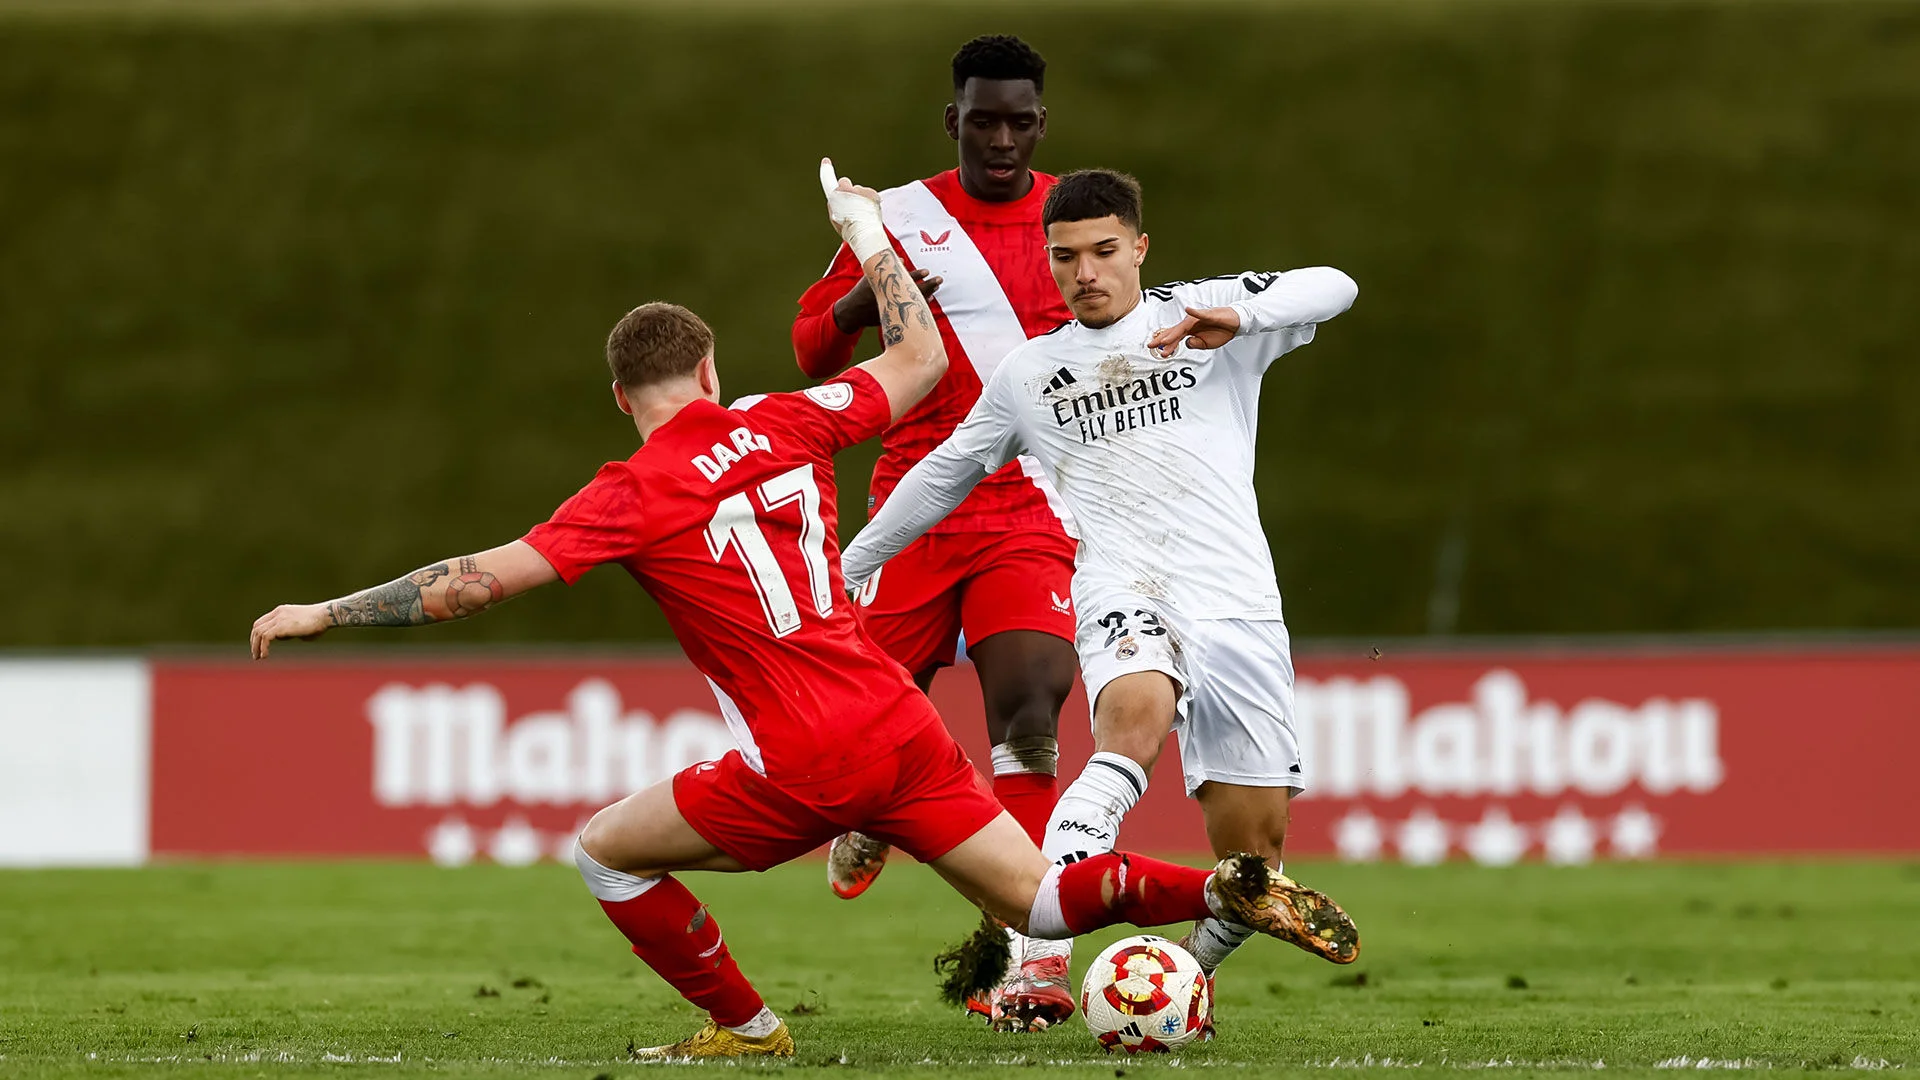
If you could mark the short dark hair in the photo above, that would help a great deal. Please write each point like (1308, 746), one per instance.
(998, 56)
(655, 342)
(1093, 193)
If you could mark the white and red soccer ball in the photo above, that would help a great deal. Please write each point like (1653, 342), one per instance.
(1145, 994)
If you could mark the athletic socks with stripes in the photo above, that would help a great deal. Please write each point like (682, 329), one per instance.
(1213, 940)
(1086, 820)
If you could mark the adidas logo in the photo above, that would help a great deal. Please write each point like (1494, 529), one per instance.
(1132, 1029)
(1061, 378)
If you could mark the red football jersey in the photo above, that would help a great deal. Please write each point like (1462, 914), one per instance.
(996, 292)
(727, 518)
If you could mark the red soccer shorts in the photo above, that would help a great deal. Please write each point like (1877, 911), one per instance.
(916, 607)
(924, 798)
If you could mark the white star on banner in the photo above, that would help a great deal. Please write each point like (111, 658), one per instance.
(1495, 840)
(1358, 837)
(451, 842)
(1422, 838)
(516, 844)
(1569, 838)
(1635, 833)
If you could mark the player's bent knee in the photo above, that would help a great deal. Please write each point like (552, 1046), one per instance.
(1134, 714)
(592, 839)
(599, 840)
(606, 883)
(1140, 737)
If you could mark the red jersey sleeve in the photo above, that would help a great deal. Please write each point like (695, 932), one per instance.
(819, 347)
(600, 524)
(827, 418)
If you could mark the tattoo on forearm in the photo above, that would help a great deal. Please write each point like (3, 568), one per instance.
(400, 602)
(403, 601)
(473, 591)
(899, 300)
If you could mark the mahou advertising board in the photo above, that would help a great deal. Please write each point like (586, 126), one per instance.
(1568, 755)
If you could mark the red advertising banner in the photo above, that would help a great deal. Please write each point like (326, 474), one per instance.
(1568, 756)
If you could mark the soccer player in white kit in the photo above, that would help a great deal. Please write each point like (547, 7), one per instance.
(1143, 412)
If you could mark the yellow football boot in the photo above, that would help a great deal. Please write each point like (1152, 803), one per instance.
(714, 1041)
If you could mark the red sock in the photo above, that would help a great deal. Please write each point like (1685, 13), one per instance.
(1029, 797)
(1117, 887)
(681, 942)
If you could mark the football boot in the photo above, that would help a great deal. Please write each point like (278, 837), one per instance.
(714, 1041)
(1246, 891)
(853, 861)
(1036, 996)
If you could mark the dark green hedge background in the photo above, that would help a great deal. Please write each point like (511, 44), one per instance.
(292, 303)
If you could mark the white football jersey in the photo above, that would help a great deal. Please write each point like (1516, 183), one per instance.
(1154, 457)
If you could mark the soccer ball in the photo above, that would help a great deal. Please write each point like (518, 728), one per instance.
(1145, 993)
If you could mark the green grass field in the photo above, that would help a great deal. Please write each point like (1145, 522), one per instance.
(404, 970)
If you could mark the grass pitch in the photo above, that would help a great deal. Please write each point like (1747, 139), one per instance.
(392, 970)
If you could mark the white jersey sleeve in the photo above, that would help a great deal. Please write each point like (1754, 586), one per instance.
(937, 483)
(990, 435)
(1278, 311)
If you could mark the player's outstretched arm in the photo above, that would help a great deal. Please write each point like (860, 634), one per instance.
(915, 358)
(986, 440)
(928, 493)
(1218, 311)
(454, 589)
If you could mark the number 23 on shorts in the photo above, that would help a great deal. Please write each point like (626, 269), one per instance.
(1116, 624)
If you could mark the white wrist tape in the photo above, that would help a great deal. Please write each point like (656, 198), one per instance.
(861, 227)
(856, 216)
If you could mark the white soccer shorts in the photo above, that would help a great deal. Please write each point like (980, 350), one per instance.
(1235, 711)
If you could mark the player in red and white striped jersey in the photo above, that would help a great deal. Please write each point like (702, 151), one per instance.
(998, 571)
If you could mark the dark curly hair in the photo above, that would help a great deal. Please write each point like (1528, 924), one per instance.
(998, 56)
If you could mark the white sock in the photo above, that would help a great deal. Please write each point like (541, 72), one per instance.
(612, 886)
(1016, 950)
(1213, 940)
(1087, 818)
(1035, 948)
(761, 1026)
(1046, 920)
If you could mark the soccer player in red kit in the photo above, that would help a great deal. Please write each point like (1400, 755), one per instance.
(999, 568)
(726, 517)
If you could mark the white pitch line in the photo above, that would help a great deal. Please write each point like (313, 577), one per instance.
(1340, 1062)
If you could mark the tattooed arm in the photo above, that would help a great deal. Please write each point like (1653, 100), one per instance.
(914, 359)
(454, 589)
